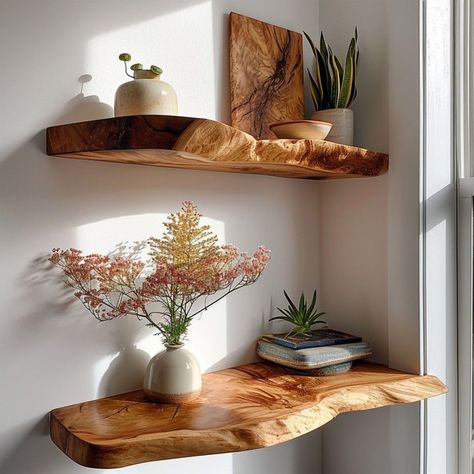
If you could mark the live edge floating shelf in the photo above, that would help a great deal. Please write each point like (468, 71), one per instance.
(182, 142)
(246, 407)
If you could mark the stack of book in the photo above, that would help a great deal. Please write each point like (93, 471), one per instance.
(323, 352)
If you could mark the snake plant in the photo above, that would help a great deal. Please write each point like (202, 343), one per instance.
(302, 317)
(331, 85)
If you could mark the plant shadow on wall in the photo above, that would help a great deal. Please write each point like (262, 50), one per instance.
(84, 107)
(124, 364)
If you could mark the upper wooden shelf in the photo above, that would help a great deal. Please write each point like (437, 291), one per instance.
(246, 407)
(182, 142)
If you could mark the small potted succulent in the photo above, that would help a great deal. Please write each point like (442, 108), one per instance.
(146, 94)
(302, 316)
(333, 88)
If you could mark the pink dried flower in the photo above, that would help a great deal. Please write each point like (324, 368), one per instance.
(186, 265)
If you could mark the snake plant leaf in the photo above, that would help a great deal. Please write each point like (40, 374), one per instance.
(336, 82)
(316, 85)
(348, 78)
(354, 94)
(323, 47)
(318, 78)
(310, 41)
(325, 80)
(314, 91)
(339, 66)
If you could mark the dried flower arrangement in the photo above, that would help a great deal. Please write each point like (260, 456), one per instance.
(185, 266)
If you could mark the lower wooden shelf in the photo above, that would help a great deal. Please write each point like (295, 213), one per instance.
(242, 408)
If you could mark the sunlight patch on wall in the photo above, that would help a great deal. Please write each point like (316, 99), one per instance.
(180, 42)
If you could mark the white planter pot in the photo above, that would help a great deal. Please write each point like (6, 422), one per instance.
(145, 95)
(173, 376)
(342, 130)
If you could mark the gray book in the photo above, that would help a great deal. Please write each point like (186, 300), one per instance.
(313, 357)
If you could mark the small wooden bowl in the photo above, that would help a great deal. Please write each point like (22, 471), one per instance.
(301, 129)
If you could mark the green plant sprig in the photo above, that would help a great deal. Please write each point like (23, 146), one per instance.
(331, 85)
(302, 317)
(126, 57)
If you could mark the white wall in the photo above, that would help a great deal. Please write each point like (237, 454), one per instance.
(369, 230)
(52, 353)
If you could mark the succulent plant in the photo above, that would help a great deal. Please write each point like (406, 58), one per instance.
(302, 317)
(331, 85)
(125, 57)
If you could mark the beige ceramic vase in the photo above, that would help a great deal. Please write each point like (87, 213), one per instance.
(145, 95)
(342, 130)
(173, 376)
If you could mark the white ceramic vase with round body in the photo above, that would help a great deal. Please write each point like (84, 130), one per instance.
(173, 376)
(145, 95)
(342, 130)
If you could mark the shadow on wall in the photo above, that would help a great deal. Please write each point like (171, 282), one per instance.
(81, 107)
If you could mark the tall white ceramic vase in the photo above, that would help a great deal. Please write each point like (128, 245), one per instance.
(147, 94)
(173, 376)
(342, 130)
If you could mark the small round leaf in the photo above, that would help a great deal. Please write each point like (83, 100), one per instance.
(136, 67)
(125, 57)
(156, 70)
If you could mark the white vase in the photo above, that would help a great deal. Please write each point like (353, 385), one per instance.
(342, 130)
(145, 95)
(173, 376)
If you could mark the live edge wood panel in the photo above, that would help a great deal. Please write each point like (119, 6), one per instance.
(241, 408)
(202, 144)
(266, 75)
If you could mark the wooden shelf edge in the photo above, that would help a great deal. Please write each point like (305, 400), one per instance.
(241, 408)
(202, 144)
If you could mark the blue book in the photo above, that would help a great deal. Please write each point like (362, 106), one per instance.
(317, 338)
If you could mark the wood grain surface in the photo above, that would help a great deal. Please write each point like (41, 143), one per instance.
(242, 408)
(183, 142)
(266, 75)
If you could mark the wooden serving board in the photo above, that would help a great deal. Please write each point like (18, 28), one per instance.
(266, 75)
